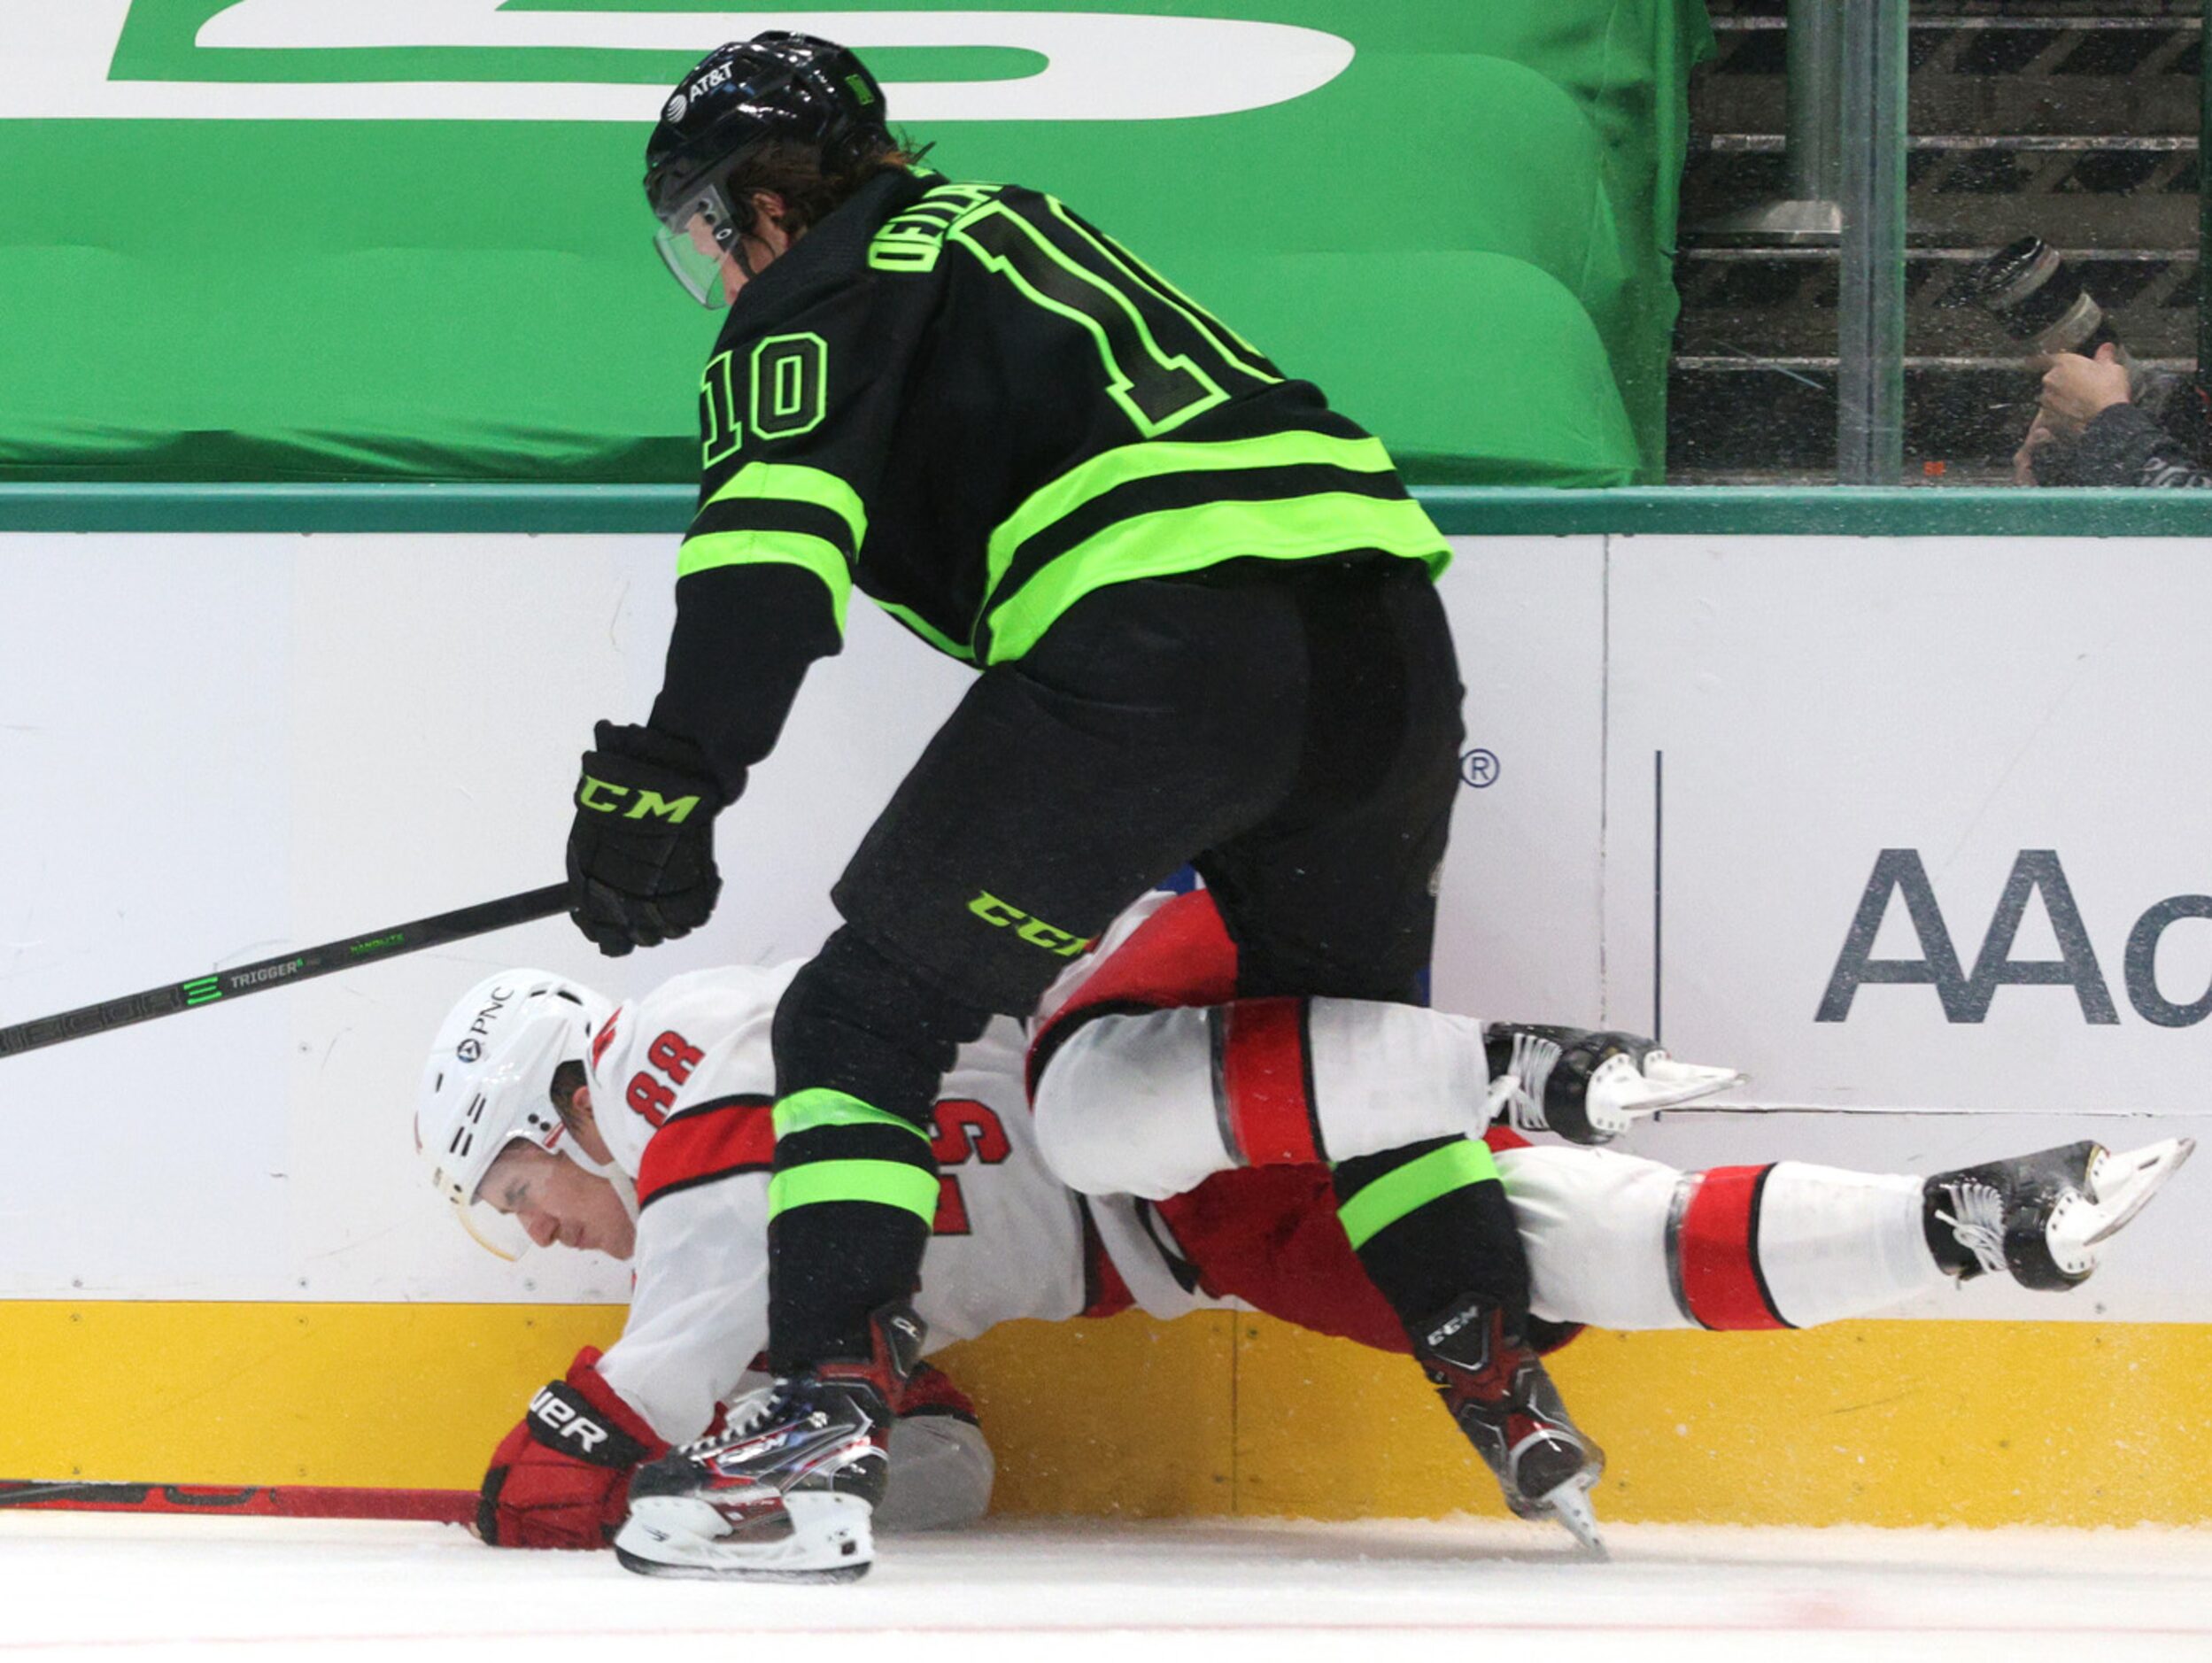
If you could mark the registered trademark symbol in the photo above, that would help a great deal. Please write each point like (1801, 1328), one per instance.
(1479, 769)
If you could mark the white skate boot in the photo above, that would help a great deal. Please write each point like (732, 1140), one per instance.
(787, 1493)
(2041, 1216)
(1587, 1087)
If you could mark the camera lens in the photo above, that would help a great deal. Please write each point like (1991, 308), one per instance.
(2036, 297)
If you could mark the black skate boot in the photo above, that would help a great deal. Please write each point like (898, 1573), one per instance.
(1587, 1086)
(785, 1494)
(2041, 1216)
(1504, 1400)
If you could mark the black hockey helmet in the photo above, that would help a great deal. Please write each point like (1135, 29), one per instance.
(777, 85)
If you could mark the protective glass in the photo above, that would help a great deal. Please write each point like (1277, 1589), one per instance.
(696, 231)
(1953, 275)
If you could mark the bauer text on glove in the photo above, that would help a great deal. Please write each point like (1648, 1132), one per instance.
(560, 1479)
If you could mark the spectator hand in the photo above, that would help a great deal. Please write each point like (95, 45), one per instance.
(2023, 459)
(2078, 389)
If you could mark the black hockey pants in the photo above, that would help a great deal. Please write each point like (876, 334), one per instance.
(1292, 730)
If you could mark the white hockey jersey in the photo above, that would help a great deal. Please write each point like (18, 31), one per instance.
(682, 1085)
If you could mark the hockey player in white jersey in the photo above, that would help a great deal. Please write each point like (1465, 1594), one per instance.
(1202, 1126)
(659, 1153)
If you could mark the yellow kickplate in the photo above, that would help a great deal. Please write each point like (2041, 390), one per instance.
(1888, 1423)
(411, 1396)
(1880, 1423)
(1127, 1417)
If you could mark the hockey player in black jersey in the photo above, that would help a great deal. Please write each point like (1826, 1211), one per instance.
(1201, 605)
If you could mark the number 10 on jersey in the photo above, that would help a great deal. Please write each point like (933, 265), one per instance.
(785, 394)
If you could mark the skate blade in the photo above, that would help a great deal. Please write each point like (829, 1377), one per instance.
(1619, 1094)
(1671, 1082)
(630, 1562)
(1569, 1504)
(830, 1542)
(2126, 1183)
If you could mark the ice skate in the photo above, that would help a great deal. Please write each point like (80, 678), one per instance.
(1503, 1399)
(787, 1493)
(2041, 1216)
(1589, 1088)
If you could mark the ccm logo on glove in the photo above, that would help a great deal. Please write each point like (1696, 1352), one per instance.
(601, 797)
(641, 849)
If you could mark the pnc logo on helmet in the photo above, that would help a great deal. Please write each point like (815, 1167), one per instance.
(471, 1047)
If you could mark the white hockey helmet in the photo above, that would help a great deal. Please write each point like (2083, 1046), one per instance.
(489, 1082)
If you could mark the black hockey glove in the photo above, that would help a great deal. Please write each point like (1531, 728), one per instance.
(641, 854)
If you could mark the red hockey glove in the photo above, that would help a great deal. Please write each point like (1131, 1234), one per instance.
(561, 1478)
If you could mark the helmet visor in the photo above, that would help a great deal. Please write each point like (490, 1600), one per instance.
(697, 232)
(494, 1231)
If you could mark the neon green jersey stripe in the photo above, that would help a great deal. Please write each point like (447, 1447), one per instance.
(1413, 1185)
(886, 1183)
(1191, 540)
(929, 632)
(786, 481)
(810, 1111)
(1052, 503)
(818, 555)
(1193, 314)
(1205, 320)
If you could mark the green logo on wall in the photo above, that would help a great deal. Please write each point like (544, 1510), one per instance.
(559, 60)
(403, 239)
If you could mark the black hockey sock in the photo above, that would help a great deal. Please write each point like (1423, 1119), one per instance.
(861, 1044)
(821, 1260)
(1431, 1226)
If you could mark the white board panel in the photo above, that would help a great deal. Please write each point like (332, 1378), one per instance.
(1994, 714)
(250, 743)
(1519, 930)
(258, 742)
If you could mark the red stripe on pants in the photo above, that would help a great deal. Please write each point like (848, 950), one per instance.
(1719, 1258)
(1262, 1075)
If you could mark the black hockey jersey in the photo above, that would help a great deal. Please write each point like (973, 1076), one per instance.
(976, 407)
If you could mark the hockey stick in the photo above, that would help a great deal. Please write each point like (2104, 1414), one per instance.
(294, 967)
(282, 1501)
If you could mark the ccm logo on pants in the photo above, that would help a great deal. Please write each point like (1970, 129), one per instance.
(999, 914)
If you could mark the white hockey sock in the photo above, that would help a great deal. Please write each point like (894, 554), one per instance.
(1153, 1103)
(1383, 1075)
(1792, 1245)
(1834, 1244)
(1622, 1242)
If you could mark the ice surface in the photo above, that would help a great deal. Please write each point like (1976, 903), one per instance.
(79, 1586)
